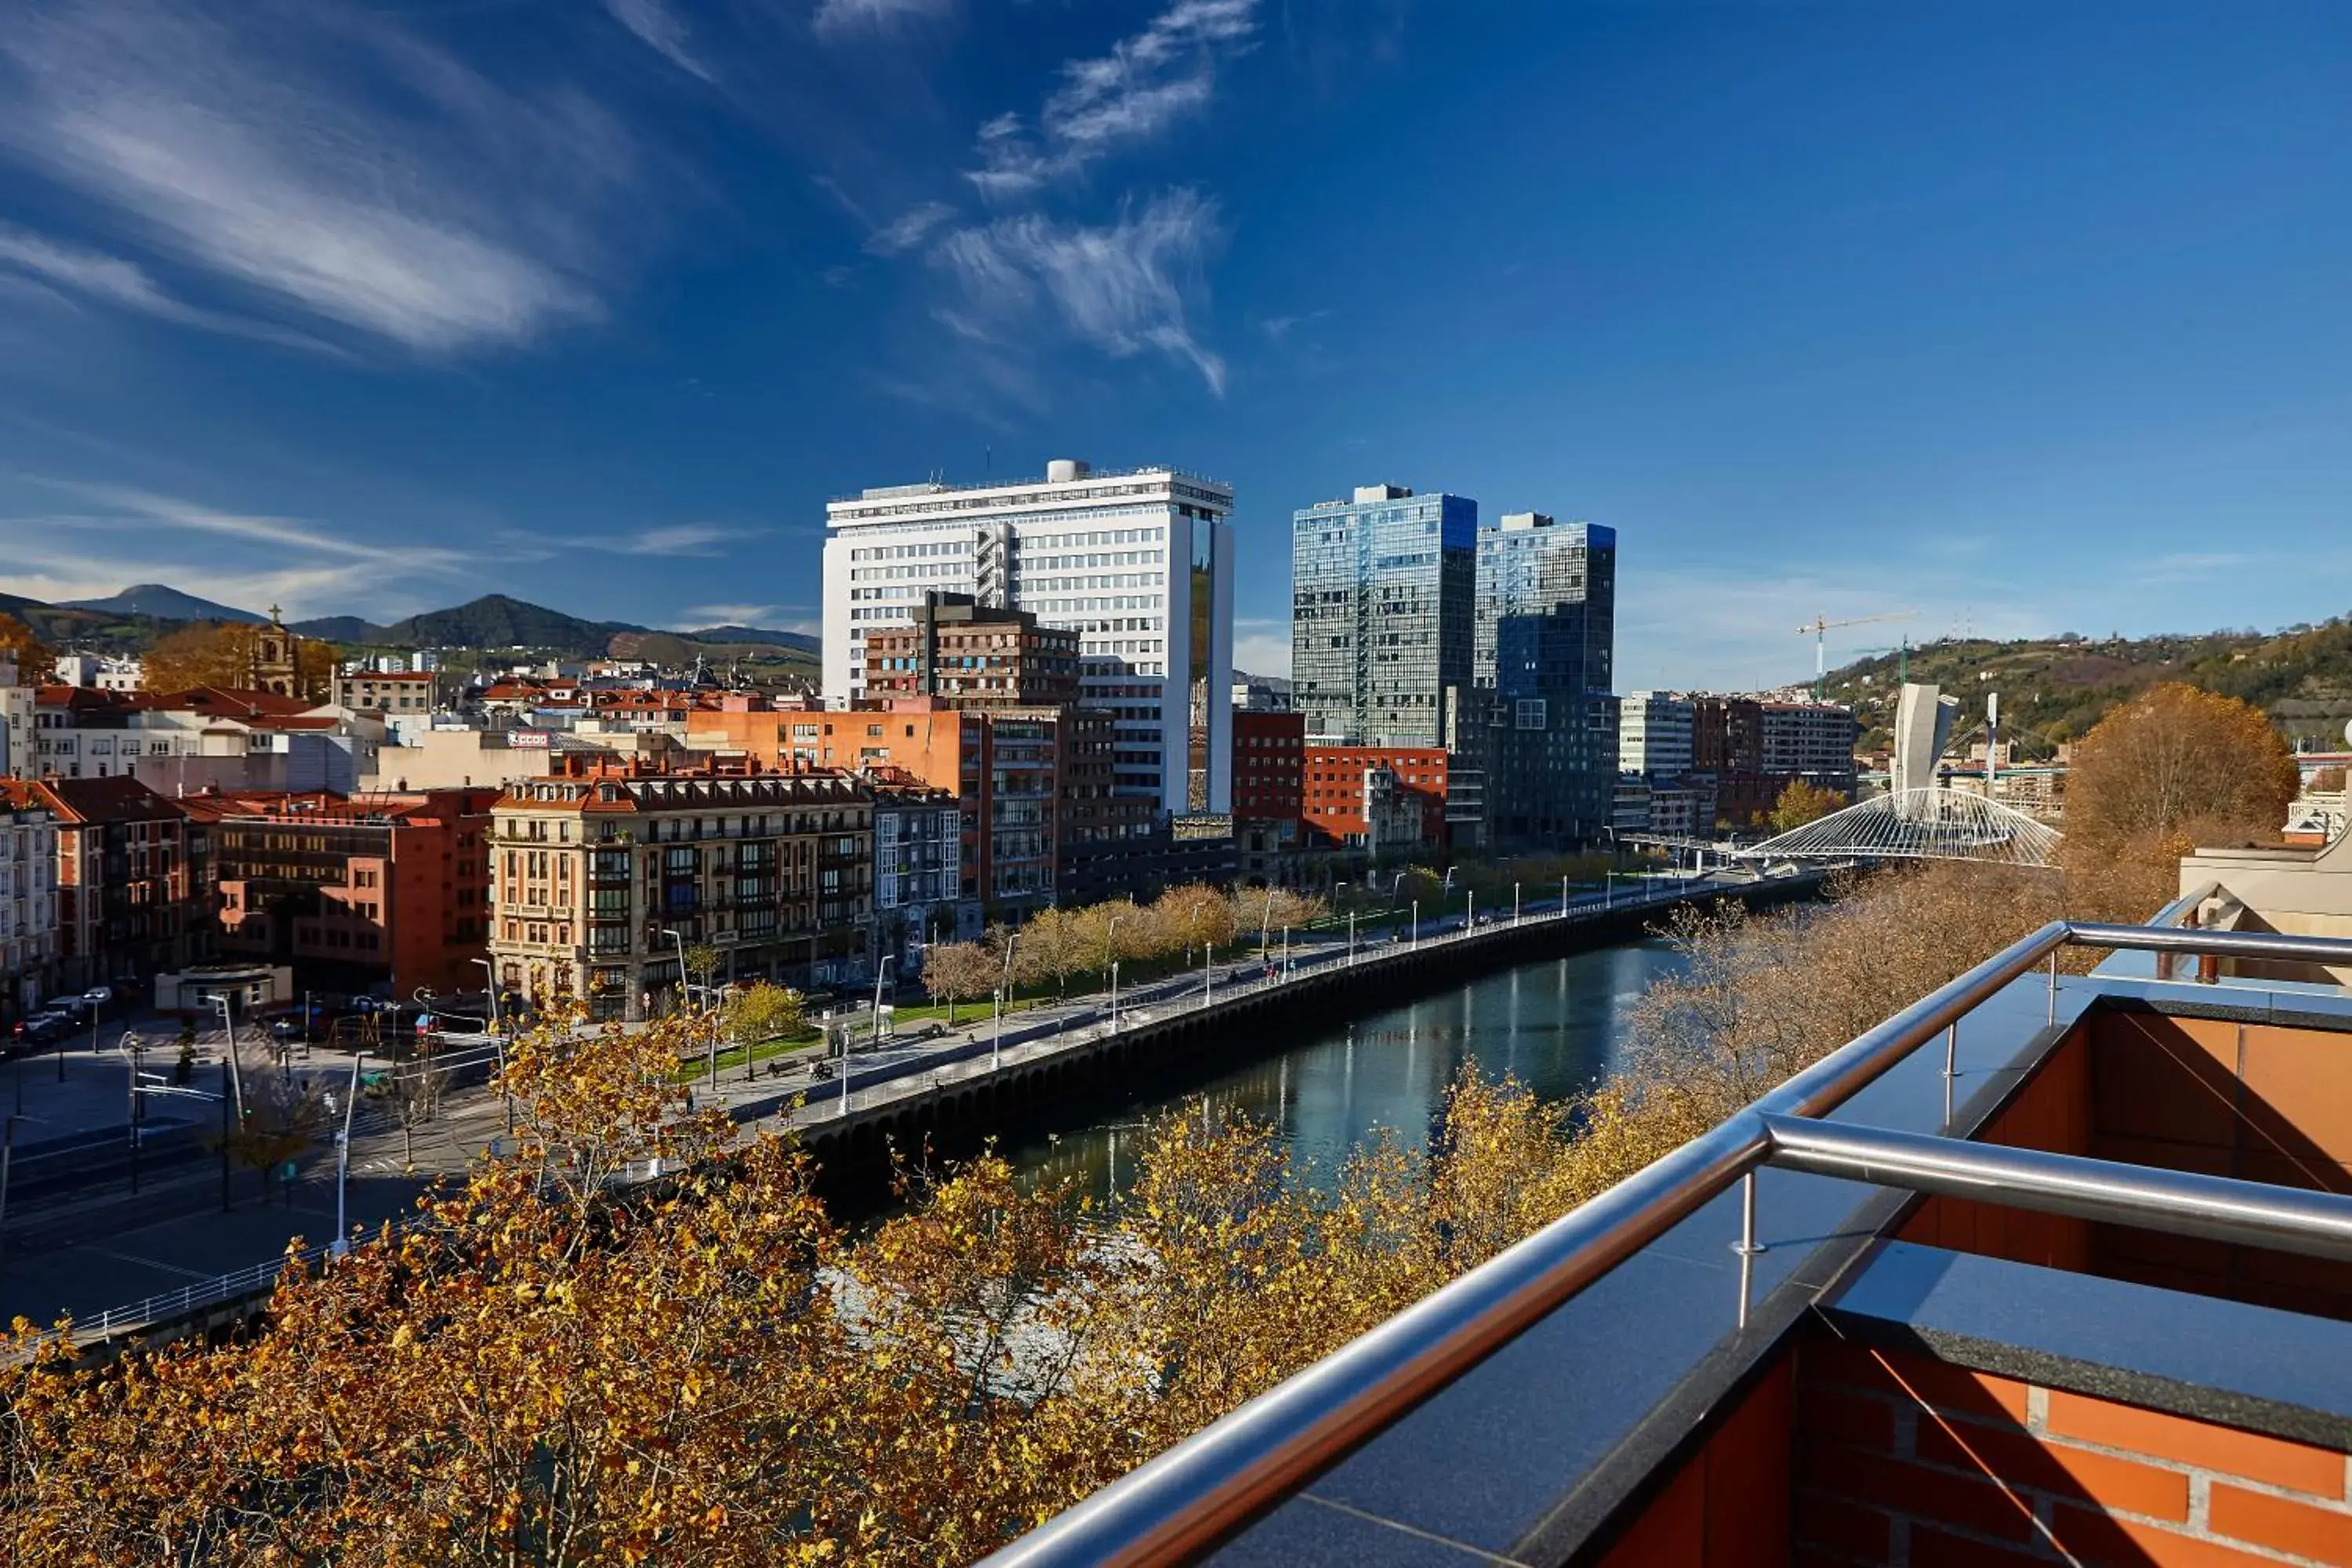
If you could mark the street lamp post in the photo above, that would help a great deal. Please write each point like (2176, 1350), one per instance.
(1514, 903)
(1208, 971)
(684, 986)
(497, 1036)
(1563, 897)
(1416, 925)
(343, 1152)
(880, 971)
(1110, 958)
(236, 1078)
(133, 1114)
(1351, 938)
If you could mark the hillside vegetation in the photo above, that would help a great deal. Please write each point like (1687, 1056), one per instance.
(2054, 689)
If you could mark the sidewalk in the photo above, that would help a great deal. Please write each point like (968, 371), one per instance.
(103, 1247)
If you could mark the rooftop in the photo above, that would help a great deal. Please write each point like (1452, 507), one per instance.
(1083, 474)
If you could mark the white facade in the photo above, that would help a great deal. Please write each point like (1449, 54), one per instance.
(1118, 557)
(28, 907)
(1922, 727)
(177, 752)
(1653, 734)
(100, 672)
(17, 750)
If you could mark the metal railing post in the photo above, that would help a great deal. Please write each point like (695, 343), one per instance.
(1951, 1066)
(2052, 1017)
(1746, 1246)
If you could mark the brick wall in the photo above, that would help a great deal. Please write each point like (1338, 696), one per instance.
(2256, 1101)
(1903, 1459)
(2052, 1112)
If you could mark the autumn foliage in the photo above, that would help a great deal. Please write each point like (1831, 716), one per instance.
(564, 1362)
(1801, 802)
(221, 655)
(35, 662)
(638, 1338)
(2171, 769)
(1057, 945)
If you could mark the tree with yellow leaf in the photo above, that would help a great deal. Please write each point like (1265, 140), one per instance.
(215, 654)
(36, 661)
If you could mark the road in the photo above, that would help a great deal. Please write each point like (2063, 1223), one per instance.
(77, 1238)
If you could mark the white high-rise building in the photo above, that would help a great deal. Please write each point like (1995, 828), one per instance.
(1653, 734)
(1140, 561)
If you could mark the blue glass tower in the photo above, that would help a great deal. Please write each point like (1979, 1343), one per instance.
(1382, 591)
(1543, 663)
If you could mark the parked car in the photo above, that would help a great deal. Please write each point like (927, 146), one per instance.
(42, 1028)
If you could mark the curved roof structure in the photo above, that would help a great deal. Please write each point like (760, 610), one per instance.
(1932, 824)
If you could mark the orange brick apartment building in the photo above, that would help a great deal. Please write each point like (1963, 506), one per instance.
(378, 892)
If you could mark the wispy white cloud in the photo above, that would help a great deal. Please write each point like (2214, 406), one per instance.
(95, 275)
(659, 29)
(122, 534)
(700, 618)
(841, 18)
(323, 161)
(130, 506)
(677, 539)
(2191, 566)
(1121, 287)
(910, 228)
(1145, 84)
(52, 575)
(1278, 329)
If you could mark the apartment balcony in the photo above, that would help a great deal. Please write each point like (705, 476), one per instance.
(2039, 1270)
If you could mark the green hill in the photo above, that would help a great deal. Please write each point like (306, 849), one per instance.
(2055, 688)
(495, 621)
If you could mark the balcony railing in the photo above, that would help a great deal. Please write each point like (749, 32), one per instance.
(1185, 1502)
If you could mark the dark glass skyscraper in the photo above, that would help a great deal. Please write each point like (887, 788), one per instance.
(1543, 664)
(1382, 589)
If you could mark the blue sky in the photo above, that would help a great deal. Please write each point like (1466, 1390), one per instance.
(2026, 317)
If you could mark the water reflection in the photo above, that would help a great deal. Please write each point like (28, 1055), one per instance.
(1555, 1025)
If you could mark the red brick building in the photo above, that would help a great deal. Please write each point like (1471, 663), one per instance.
(1269, 766)
(1347, 791)
(135, 894)
(378, 892)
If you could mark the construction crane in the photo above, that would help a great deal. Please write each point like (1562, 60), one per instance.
(1818, 628)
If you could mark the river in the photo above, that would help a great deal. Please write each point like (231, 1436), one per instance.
(1555, 1025)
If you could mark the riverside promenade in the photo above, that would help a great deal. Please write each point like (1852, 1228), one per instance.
(170, 1257)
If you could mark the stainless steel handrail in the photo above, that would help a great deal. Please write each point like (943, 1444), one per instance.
(1187, 1500)
(2220, 1208)
(2273, 945)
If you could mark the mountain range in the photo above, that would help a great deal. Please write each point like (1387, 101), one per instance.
(156, 601)
(139, 615)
